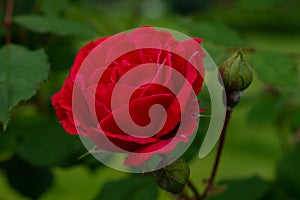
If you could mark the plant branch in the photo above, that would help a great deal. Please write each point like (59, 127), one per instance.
(194, 190)
(218, 156)
(8, 20)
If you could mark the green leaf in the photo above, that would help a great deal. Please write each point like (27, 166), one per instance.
(247, 189)
(21, 73)
(288, 173)
(131, 188)
(173, 177)
(276, 68)
(26, 179)
(54, 25)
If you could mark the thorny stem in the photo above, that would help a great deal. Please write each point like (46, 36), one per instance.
(218, 156)
(232, 99)
(8, 20)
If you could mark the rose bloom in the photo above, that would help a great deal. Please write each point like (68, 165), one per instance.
(179, 112)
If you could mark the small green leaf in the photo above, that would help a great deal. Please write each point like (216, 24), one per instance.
(276, 68)
(131, 188)
(21, 73)
(54, 25)
(247, 189)
(173, 177)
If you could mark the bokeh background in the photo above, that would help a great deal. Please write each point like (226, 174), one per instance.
(261, 159)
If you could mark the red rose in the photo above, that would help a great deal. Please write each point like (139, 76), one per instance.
(98, 72)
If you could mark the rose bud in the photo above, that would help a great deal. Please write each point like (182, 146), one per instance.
(236, 72)
(237, 76)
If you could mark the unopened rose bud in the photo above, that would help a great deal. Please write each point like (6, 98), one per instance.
(236, 73)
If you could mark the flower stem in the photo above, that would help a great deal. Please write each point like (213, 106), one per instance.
(218, 156)
(194, 190)
(8, 20)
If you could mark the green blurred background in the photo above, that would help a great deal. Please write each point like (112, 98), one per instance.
(39, 160)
